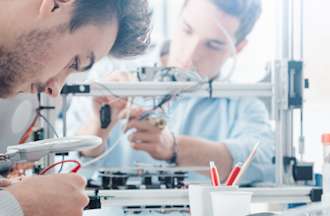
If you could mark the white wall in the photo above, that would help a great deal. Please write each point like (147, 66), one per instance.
(317, 46)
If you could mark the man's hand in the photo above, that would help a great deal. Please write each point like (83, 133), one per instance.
(51, 195)
(5, 182)
(159, 143)
(117, 104)
(20, 169)
(93, 127)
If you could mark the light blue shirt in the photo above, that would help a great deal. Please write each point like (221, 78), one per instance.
(239, 123)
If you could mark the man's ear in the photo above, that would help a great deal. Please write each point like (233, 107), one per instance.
(48, 7)
(241, 45)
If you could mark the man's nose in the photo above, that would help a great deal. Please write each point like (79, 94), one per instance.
(189, 55)
(53, 88)
(187, 64)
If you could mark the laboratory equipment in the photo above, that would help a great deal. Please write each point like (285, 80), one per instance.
(34, 151)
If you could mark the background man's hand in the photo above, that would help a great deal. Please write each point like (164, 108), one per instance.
(51, 195)
(117, 104)
(93, 126)
(159, 143)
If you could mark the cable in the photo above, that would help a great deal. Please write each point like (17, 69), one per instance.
(74, 170)
(211, 88)
(107, 89)
(168, 97)
(108, 151)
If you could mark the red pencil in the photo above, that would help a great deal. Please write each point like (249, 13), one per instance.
(233, 174)
(215, 178)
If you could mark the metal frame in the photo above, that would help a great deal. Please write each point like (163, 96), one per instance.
(155, 89)
(278, 91)
(287, 49)
(122, 198)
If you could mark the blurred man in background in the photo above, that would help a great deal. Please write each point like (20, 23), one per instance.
(200, 130)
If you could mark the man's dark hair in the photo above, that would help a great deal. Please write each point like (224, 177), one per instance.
(134, 19)
(247, 11)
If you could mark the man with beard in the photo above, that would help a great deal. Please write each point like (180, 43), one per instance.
(41, 43)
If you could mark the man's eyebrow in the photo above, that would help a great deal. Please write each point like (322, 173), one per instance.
(212, 40)
(92, 60)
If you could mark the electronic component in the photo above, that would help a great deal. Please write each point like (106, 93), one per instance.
(105, 116)
(94, 201)
(75, 89)
(167, 74)
(156, 119)
(145, 177)
(303, 171)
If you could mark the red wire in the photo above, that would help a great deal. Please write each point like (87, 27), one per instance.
(74, 170)
(29, 131)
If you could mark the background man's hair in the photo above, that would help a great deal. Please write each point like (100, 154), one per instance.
(134, 19)
(247, 11)
(165, 49)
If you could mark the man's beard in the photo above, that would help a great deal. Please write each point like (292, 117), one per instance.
(10, 73)
(22, 63)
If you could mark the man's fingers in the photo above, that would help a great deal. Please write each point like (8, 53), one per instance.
(136, 113)
(5, 182)
(147, 147)
(141, 137)
(79, 180)
(100, 100)
(76, 180)
(142, 126)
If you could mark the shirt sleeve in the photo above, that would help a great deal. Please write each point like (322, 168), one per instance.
(9, 206)
(252, 125)
(79, 113)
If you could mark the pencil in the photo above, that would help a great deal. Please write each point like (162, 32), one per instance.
(247, 164)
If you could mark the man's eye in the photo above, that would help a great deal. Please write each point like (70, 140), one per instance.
(75, 64)
(186, 29)
(214, 46)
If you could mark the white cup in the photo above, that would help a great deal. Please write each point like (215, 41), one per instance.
(231, 203)
(200, 198)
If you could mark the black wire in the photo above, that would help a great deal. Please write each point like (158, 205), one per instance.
(107, 89)
(165, 99)
(170, 96)
(211, 88)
